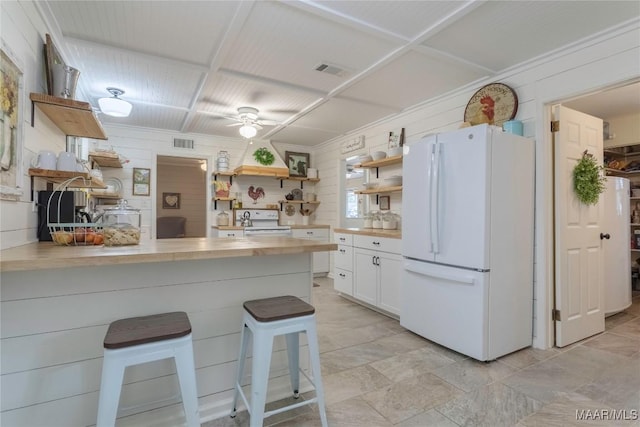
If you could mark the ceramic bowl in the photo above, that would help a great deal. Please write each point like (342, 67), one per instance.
(370, 185)
(396, 151)
(378, 155)
(364, 158)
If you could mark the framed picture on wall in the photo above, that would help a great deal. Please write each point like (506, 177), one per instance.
(141, 181)
(170, 200)
(385, 203)
(297, 163)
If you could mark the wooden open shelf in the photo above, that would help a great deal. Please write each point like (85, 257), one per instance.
(74, 118)
(380, 190)
(105, 160)
(58, 177)
(387, 161)
(300, 202)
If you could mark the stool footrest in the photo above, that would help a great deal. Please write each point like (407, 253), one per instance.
(290, 407)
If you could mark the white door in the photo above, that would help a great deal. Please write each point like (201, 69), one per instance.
(390, 276)
(365, 275)
(579, 277)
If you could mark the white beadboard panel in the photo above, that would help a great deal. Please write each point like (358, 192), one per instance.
(296, 134)
(424, 75)
(149, 116)
(309, 38)
(405, 18)
(115, 21)
(502, 17)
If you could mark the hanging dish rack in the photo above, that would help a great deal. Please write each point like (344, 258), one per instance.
(72, 233)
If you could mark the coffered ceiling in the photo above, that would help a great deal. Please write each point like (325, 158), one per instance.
(188, 66)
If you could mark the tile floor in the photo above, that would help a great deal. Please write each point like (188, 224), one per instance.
(378, 374)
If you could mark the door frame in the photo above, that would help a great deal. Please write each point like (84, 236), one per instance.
(154, 185)
(550, 91)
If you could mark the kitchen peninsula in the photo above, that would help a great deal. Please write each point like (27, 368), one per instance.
(57, 303)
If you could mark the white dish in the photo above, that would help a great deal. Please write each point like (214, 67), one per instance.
(365, 158)
(114, 186)
(378, 155)
(370, 185)
(396, 151)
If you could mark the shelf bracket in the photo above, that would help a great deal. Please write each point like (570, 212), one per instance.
(302, 185)
(377, 199)
(377, 173)
(281, 183)
(33, 113)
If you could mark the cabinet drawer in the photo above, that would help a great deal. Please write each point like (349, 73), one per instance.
(344, 257)
(343, 239)
(311, 233)
(383, 244)
(343, 281)
(230, 233)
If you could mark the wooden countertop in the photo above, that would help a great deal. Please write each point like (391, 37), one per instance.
(375, 232)
(45, 255)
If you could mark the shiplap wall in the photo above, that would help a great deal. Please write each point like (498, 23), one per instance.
(191, 183)
(53, 323)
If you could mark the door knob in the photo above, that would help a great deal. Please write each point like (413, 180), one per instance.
(605, 236)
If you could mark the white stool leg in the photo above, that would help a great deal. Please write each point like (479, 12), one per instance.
(262, 348)
(244, 342)
(185, 366)
(314, 351)
(110, 385)
(293, 354)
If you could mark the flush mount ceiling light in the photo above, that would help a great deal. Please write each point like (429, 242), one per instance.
(248, 130)
(115, 106)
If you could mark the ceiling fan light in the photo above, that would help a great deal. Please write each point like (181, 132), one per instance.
(248, 131)
(115, 106)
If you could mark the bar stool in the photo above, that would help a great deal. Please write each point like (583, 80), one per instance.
(267, 318)
(144, 339)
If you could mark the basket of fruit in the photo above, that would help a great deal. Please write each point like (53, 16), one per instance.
(71, 233)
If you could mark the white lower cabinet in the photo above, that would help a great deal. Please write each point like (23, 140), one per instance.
(369, 269)
(343, 264)
(320, 259)
(377, 278)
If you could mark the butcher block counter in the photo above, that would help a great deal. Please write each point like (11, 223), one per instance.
(375, 232)
(57, 302)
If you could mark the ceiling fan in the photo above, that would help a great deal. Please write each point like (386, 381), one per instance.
(248, 116)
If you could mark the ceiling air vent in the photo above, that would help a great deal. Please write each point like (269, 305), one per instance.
(183, 143)
(331, 69)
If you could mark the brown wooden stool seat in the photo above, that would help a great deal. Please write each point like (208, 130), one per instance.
(141, 330)
(278, 308)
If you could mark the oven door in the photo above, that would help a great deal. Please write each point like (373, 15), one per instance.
(267, 231)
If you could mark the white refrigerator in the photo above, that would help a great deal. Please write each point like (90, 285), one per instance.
(467, 240)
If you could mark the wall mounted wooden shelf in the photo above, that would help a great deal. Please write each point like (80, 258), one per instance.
(74, 118)
(105, 160)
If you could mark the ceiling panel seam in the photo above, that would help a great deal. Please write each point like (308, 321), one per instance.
(429, 51)
(344, 19)
(236, 25)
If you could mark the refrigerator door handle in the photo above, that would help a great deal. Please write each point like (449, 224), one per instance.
(416, 268)
(435, 195)
(430, 195)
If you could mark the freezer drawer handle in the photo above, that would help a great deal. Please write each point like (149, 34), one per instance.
(458, 279)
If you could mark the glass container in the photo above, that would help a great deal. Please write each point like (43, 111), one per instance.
(223, 161)
(389, 221)
(376, 220)
(121, 225)
(222, 218)
(368, 220)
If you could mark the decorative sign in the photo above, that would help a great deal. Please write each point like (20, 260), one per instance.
(494, 103)
(352, 145)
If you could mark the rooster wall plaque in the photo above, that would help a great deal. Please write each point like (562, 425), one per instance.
(256, 193)
(494, 104)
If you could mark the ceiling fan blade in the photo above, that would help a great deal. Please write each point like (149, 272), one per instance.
(256, 125)
(268, 122)
(236, 124)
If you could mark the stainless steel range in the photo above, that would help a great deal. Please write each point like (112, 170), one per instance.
(260, 222)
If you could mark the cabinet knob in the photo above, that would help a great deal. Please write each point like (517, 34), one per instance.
(376, 243)
(343, 251)
(342, 239)
(342, 275)
(605, 236)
